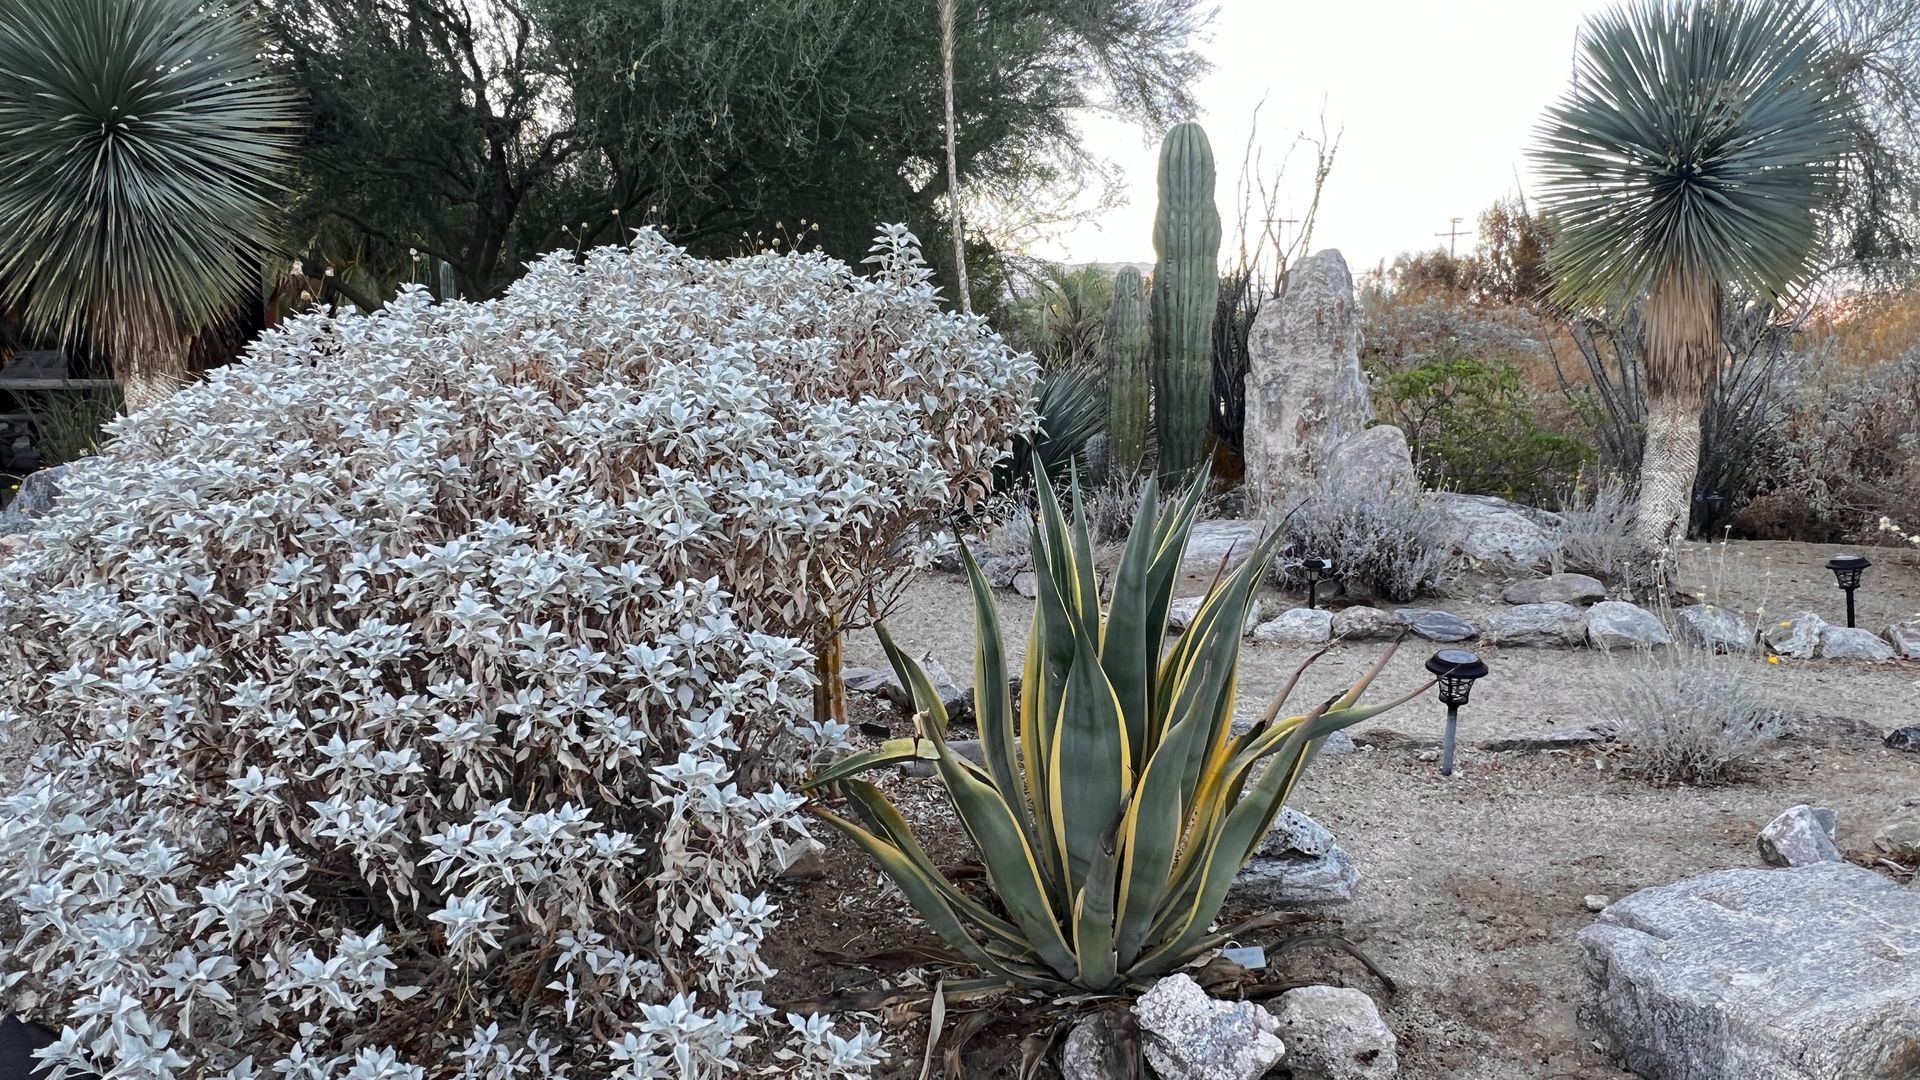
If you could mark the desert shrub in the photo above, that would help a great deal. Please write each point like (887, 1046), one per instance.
(1397, 544)
(1471, 427)
(418, 696)
(70, 424)
(1594, 534)
(1689, 715)
(1851, 453)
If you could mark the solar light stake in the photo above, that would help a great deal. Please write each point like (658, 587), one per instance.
(1456, 669)
(1847, 570)
(1320, 570)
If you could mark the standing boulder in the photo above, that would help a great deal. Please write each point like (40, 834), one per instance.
(1305, 391)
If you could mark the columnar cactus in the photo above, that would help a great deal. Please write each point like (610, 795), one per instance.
(1186, 288)
(1127, 371)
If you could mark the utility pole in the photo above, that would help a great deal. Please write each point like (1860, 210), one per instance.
(1452, 234)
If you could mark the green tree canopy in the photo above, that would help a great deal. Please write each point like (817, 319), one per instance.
(482, 132)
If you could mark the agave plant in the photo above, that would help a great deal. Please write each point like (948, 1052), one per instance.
(141, 148)
(1114, 811)
(1696, 147)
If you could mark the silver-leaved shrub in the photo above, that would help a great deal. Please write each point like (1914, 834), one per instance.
(414, 699)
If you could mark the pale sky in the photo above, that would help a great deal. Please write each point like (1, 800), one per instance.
(1437, 100)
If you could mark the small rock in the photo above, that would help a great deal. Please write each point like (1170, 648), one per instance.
(1556, 588)
(1363, 623)
(1553, 624)
(1294, 833)
(1900, 834)
(1026, 584)
(1851, 643)
(1181, 612)
(1297, 626)
(1905, 636)
(1334, 1033)
(799, 858)
(1714, 628)
(1093, 1050)
(1297, 864)
(1437, 625)
(1796, 638)
(1190, 1036)
(1615, 624)
(958, 700)
(35, 498)
(876, 681)
(1596, 902)
(1340, 742)
(1906, 738)
(1801, 836)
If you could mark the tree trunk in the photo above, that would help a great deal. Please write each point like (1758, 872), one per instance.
(1683, 350)
(1667, 469)
(953, 162)
(150, 360)
(830, 692)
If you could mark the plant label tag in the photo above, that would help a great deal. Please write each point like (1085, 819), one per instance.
(1251, 957)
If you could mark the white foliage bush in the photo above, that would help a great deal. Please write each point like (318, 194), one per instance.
(414, 699)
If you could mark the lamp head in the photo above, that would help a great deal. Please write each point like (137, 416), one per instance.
(1456, 669)
(1848, 568)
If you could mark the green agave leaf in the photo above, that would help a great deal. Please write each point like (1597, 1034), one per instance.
(1093, 920)
(926, 700)
(992, 701)
(920, 891)
(890, 752)
(1017, 876)
(1130, 645)
(1090, 775)
(880, 816)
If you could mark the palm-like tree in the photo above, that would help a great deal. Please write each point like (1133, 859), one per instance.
(141, 145)
(1694, 151)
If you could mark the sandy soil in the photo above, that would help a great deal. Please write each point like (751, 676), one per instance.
(1474, 885)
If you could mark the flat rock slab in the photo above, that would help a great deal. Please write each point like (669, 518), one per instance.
(1437, 625)
(1567, 738)
(1804, 974)
(1556, 588)
(1552, 624)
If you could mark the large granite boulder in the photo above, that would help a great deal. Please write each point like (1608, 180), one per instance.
(1374, 462)
(1497, 532)
(1549, 625)
(1804, 974)
(1305, 391)
(1616, 624)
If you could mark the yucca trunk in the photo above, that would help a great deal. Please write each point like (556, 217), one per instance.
(1683, 353)
(150, 361)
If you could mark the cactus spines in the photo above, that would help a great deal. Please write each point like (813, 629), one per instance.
(1186, 290)
(1127, 372)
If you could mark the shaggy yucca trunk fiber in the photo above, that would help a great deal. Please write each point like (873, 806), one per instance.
(1683, 352)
